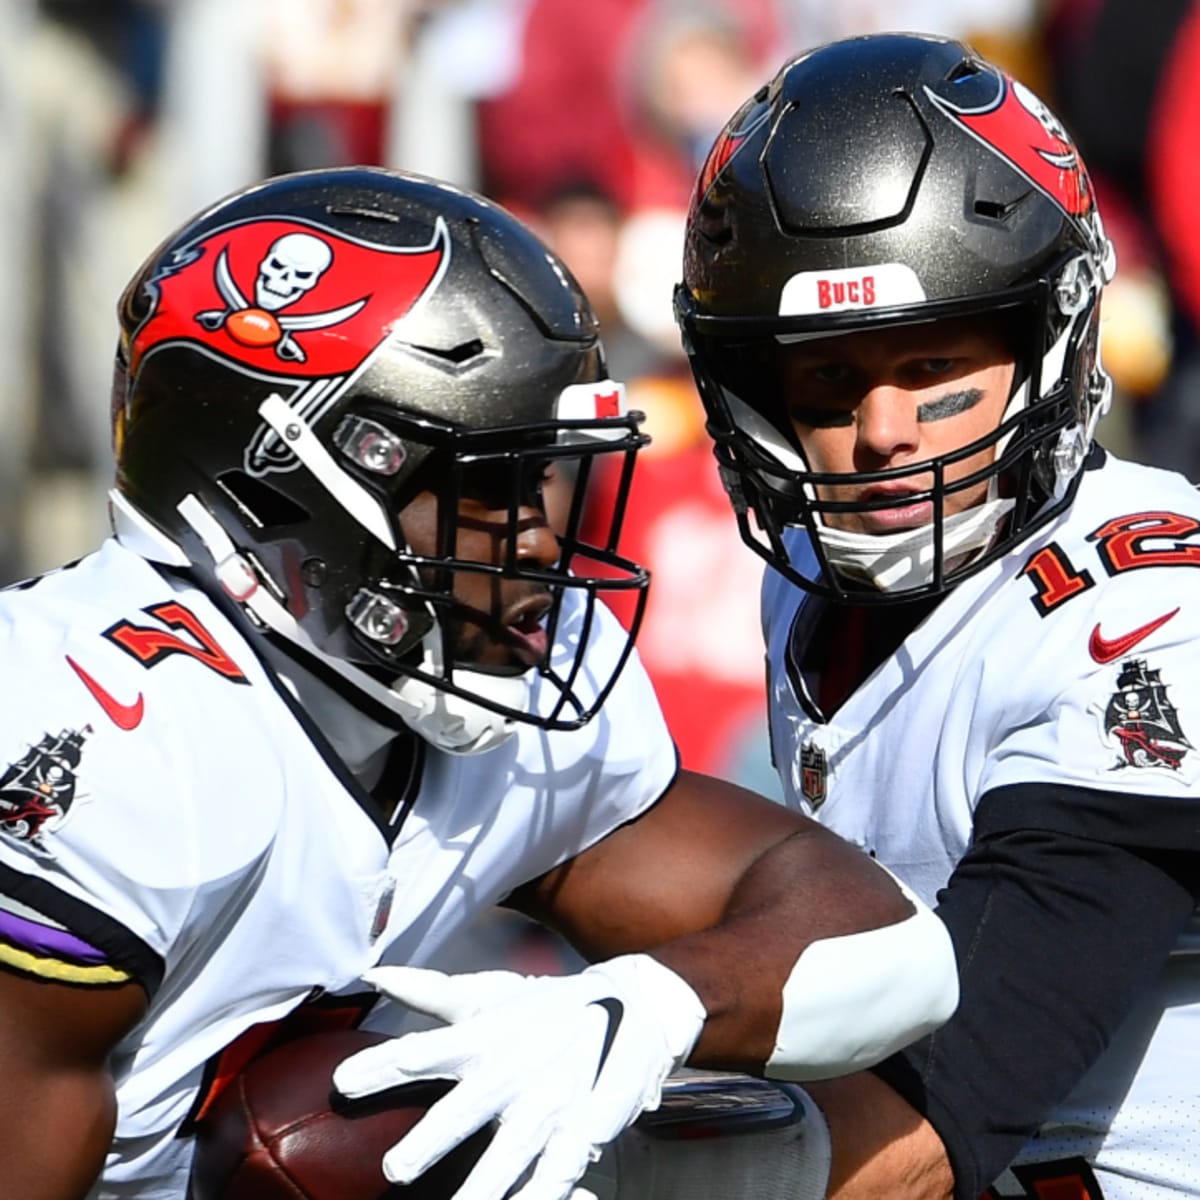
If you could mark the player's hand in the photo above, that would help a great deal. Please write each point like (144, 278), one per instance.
(562, 1063)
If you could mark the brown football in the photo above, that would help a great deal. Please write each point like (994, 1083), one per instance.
(278, 1132)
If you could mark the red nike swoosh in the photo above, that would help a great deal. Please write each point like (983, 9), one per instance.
(1104, 650)
(124, 716)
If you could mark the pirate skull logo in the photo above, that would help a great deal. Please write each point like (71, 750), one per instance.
(291, 267)
(289, 270)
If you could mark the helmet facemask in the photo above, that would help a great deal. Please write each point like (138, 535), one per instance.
(425, 611)
(948, 193)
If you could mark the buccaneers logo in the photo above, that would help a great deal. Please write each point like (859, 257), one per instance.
(37, 791)
(1142, 719)
(259, 294)
(1018, 127)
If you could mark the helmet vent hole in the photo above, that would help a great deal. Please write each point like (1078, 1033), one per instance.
(967, 69)
(463, 352)
(372, 214)
(259, 503)
(992, 210)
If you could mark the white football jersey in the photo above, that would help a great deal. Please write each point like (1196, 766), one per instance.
(1073, 660)
(165, 816)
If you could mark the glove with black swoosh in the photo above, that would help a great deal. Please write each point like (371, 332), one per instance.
(562, 1063)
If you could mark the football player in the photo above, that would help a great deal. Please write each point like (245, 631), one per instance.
(334, 688)
(983, 631)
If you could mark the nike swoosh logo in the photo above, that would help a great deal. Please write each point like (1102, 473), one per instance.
(1104, 650)
(615, 1011)
(124, 716)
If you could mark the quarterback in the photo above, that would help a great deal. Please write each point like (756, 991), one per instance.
(335, 686)
(982, 630)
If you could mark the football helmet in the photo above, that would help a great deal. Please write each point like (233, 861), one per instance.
(887, 180)
(298, 363)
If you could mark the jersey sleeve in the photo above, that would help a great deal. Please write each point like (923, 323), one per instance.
(1107, 706)
(115, 812)
(1081, 871)
(1056, 937)
(49, 934)
(630, 747)
(104, 868)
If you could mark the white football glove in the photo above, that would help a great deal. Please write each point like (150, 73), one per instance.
(564, 1063)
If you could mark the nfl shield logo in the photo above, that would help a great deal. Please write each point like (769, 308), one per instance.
(814, 772)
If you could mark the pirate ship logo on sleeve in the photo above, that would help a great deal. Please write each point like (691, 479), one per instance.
(1143, 721)
(38, 790)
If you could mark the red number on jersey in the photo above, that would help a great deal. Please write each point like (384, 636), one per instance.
(150, 645)
(1122, 544)
(1055, 578)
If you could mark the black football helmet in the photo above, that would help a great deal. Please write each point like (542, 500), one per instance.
(887, 180)
(298, 362)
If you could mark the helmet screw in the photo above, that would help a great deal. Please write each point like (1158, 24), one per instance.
(314, 572)
(292, 432)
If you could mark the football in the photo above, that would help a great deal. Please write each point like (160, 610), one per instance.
(279, 1132)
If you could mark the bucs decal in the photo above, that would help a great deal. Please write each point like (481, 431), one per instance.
(253, 294)
(814, 774)
(1143, 721)
(1018, 127)
(293, 266)
(38, 790)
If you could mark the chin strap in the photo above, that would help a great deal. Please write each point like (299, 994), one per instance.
(453, 723)
(890, 561)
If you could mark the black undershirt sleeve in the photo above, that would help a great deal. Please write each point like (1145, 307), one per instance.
(1062, 911)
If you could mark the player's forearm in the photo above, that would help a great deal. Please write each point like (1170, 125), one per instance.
(820, 966)
(882, 1148)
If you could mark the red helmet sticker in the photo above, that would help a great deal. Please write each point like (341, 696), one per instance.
(258, 291)
(1018, 127)
(728, 143)
(721, 152)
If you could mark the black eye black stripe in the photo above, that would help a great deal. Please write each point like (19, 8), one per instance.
(949, 405)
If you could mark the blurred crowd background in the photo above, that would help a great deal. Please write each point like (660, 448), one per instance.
(119, 118)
